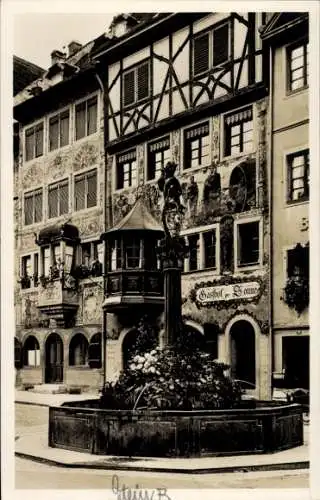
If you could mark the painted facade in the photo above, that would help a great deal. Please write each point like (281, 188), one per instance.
(189, 105)
(57, 322)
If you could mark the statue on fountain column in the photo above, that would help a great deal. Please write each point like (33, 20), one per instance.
(173, 210)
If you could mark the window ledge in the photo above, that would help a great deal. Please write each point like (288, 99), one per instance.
(86, 137)
(291, 93)
(78, 367)
(302, 201)
(85, 210)
(247, 267)
(211, 270)
(186, 171)
(239, 155)
(27, 367)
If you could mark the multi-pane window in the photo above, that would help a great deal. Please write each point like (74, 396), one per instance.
(126, 170)
(33, 207)
(86, 117)
(46, 260)
(298, 175)
(197, 146)
(115, 255)
(298, 66)
(132, 253)
(211, 49)
(59, 130)
(238, 128)
(34, 142)
(29, 270)
(90, 252)
(136, 86)
(31, 352)
(158, 155)
(85, 190)
(248, 243)
(209, 241)
(58, 199)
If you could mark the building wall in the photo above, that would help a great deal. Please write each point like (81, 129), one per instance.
(290, 220)
(77, 157)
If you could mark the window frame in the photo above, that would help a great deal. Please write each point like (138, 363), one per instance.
(34, 126)
(304, 42)
(303, 151)
(236, 242)
(184, 145)
(117, 163)
(32, 255)
(85, 174)
(37, 355)
(285, 250)
(74, 110)
(201, 257)
(33, 192)
(223, 154)
(57, 184)
(58, 115)
(148, 154)
(210, 32)
(135, 68)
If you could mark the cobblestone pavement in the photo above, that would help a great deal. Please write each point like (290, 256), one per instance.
(39, 476)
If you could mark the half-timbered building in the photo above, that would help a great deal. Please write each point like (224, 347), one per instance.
(191, 88)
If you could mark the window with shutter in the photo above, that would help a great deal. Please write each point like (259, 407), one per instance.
(39, 140)
(221, 44)
(92, 116)
(128, 88)
(86, 117)
(38, 206)
(64, 197)
(143, 81)
(54, 133)
(29, 144)
(59, 130)
(201, 54)
(80, 120)
(92, 189)
(58, 199)
(64, 129)
(28, 209)
(53, 202)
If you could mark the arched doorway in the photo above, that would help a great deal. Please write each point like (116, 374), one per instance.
(243, 352)
(128, 346)
(54, 359)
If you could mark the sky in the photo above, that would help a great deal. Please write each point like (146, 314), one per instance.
(35, 36)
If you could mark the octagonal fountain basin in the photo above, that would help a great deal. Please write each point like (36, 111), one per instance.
(254, 427)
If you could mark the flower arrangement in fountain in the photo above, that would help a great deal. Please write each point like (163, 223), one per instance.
(173, 378)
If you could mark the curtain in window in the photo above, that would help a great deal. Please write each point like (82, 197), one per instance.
(64, 129)
(92, 189)
(53, 202)
(80, 120)
(92, 116)
(54, 133)
(79, 193)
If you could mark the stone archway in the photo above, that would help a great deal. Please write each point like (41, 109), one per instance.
(53, 359)
(242, 345)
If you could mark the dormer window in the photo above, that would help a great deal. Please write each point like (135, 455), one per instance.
(136, 84)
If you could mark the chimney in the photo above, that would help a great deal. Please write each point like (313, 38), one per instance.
(57, 56)
(73, 47)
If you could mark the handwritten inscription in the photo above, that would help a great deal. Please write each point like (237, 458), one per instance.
(218, 293)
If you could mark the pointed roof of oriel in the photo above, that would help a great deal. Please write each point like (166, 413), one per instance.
(138, 219)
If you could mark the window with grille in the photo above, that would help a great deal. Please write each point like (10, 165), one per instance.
(58, 199)
(86, 117)
(158, 156)
(248, 243)
(34, 142)
(209, 240)
(211, 49)
(33, 207)
(298, 66)
(59, 130)
(136, 85)
(298, 175)
(126, 175)
(197, 146)
(85, 190)
(238, 128)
